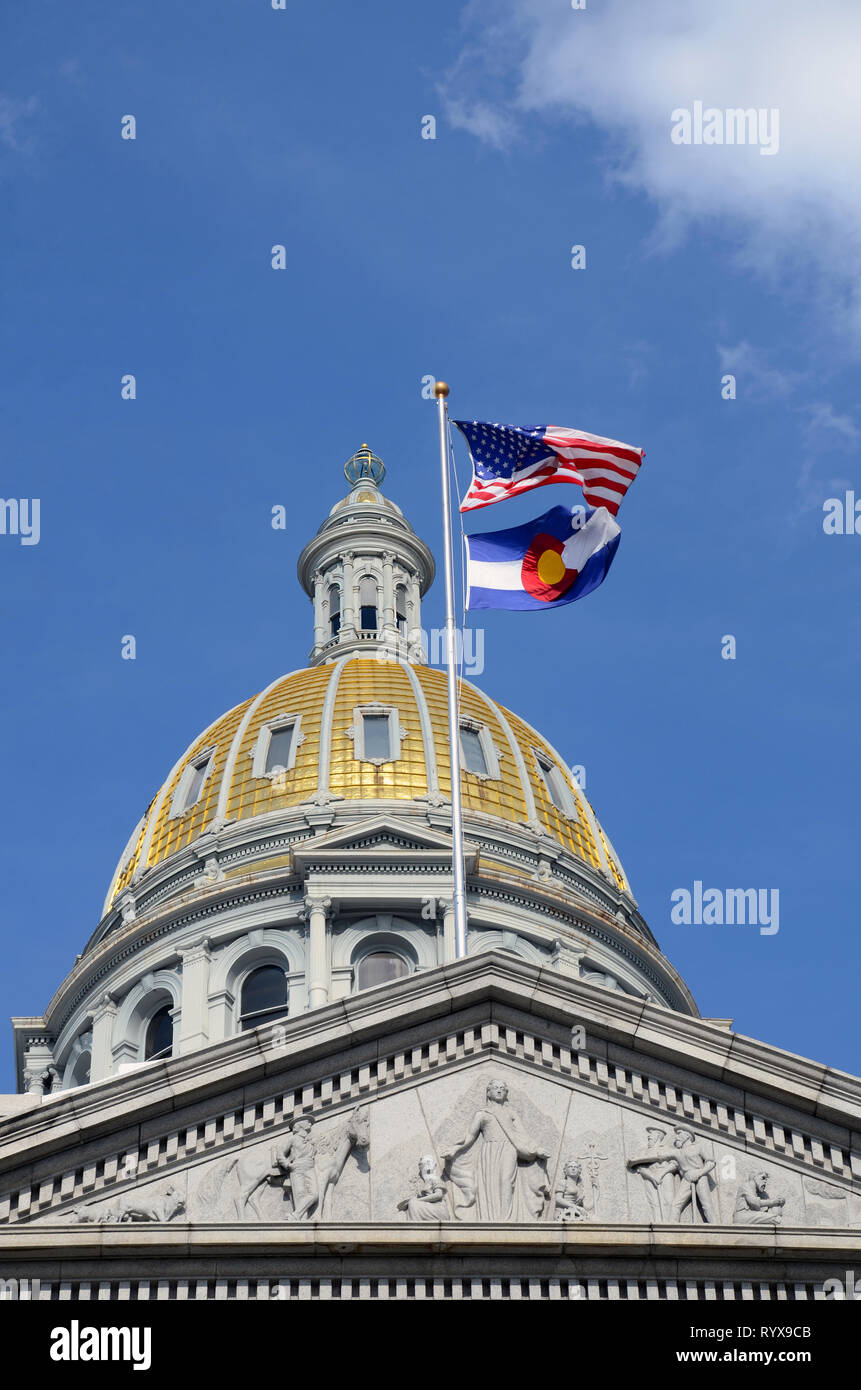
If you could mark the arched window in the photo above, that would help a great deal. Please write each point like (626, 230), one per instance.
(401, 609)
(378, 967)
(81, 1073)
(159, 1035)
(368, 604)
(265, 997)
(334, 611)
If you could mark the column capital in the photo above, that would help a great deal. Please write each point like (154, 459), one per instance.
(316, 902)
(104, 1005)
(35, 1080)
(190, 955)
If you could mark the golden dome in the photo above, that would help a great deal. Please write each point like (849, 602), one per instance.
(324, 700)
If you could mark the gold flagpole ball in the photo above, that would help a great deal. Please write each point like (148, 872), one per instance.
(440, 389)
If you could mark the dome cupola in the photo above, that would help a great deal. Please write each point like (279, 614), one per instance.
(366, 572)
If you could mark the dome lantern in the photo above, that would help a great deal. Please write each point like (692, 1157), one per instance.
(364, 466)
(366, 572)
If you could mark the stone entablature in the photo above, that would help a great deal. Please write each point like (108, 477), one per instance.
(477, 1131)
(753, 1108)
(278, 1263)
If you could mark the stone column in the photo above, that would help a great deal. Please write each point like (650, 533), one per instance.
(566, 958)
(40, 1074)
(419, 648)
(449, 948)
(316, 960)
(194, 1016)
(102, 1057)
(414, 603)
(388, 622)
(320, 634)
(348, 597)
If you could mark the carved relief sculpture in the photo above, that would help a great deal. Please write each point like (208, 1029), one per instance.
(500, 1173)
(754, 1204)
(658, 1174)
(693, 1168)
(570, 1195)
(130, 1206)
(830, 1207)
(429, 1201)
(695, 1182)
(296, 1160)
(591, 1160)
(306, 1170)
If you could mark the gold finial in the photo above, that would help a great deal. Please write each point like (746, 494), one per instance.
(440, 389)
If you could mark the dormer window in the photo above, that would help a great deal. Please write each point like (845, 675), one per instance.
(376, 733)
(191, 783)
(472, 751)
(556, 786)
(368, 604)
(377, 741)
(195, 786)
(478, 753)
(277, 744)
(280, 746)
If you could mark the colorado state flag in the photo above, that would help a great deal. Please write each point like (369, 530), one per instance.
(555, 559)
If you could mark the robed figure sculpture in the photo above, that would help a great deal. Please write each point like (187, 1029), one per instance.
(500, 1173)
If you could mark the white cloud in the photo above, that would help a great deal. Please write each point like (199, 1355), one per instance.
(754, 372)
(627, 66)
(481, 119)
(823, 417)
(13, 116)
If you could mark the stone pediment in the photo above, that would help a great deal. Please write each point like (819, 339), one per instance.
(488, 1093)
(381, 841)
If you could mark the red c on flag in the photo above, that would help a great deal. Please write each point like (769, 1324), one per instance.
(544, 572)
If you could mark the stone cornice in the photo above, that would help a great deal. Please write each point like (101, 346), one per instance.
(368, 534)
(335, 852)
(323, 1240)
(241, 842)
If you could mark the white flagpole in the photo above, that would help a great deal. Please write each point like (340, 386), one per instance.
(441, 391)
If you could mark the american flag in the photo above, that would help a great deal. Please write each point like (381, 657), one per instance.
(510, 459)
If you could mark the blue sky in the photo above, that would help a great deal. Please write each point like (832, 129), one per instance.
(408, 257)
